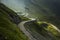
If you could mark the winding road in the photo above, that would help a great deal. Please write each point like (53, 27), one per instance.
(21, 26)
(31, 35)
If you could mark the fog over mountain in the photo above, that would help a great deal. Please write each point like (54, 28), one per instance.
(46, 7)
(29, 19)
(46, 10)
(16, 5)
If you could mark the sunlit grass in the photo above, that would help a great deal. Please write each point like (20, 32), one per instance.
(51, 28)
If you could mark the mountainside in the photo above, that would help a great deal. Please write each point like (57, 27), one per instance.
(42, 30)
(42, 21)
(8, 25)
(44, 10)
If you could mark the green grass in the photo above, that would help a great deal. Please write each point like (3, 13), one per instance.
(50, 29)
(9, 30)
(43, 28)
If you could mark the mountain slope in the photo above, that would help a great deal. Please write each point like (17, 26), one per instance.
(8, 27)
(42, 30)
(44, 10)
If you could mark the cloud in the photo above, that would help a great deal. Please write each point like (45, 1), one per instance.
(16, 5)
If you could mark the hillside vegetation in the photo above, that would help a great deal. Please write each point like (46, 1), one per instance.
(8, 27)
(40, 28)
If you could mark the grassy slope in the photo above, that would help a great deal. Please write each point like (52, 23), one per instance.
(44, 29)
(49, 28)
(9, 30)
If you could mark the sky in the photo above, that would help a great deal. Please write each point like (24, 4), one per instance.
(16, 5)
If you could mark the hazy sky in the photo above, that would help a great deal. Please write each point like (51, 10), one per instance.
(16, 5)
